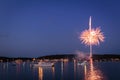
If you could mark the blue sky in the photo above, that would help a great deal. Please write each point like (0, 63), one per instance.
(43, 27)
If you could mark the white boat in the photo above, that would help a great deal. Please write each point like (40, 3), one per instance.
(82, 63)
(44, 64)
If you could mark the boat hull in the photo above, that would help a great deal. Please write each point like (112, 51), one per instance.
(44, 64)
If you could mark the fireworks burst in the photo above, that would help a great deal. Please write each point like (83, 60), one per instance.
(92, 37)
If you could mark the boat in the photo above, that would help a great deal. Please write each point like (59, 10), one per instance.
(82, 63)
(44, 64)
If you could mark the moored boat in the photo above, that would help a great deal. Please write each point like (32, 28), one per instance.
(44, 64)
(82, 63)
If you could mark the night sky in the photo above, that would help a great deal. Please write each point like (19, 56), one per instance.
(31, 28)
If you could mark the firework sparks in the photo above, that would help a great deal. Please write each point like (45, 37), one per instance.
(91, 36)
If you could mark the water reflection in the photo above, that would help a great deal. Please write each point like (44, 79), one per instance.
(46, 72)
(40, 73)
(74, 69)
(93, 73)
(18, 68)
(53, 72)
(85, 72)
(64, 69)
(61, 70)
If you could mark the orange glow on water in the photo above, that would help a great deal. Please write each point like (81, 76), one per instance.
(40, 72)
(93, 73)
(85, 71)
(53, 69)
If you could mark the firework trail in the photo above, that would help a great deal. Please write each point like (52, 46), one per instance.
(91, 36)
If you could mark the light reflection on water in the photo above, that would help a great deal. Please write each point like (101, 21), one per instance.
(75, 69)
(61, 71)
(85, 72)
(92, 73)
(64, 69)
(40, 73)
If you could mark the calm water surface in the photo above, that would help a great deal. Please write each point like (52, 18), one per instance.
(61, 71)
